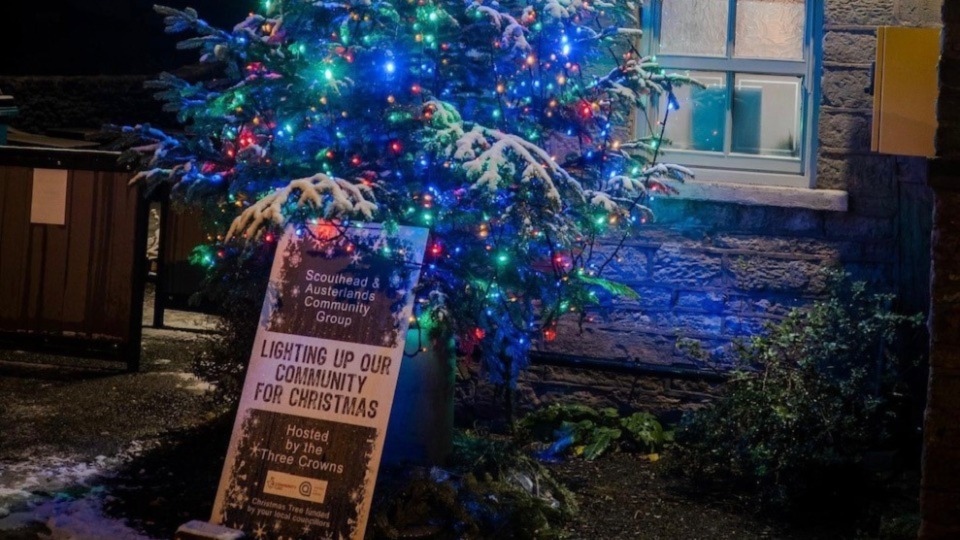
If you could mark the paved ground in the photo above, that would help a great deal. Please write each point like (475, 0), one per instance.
(88, 452)
(66, 424)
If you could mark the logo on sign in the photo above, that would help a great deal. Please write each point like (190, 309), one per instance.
(295, 487)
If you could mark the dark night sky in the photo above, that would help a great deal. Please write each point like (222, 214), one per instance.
(99, 37)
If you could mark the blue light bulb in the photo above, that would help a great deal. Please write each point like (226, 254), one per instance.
(672, 103)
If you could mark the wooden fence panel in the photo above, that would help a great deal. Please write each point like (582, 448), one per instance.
(78, 285)
(14, 242)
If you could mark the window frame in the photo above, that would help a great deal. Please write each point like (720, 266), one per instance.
(745, 168)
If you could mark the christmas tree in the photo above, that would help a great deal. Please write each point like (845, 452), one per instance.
(504, 127)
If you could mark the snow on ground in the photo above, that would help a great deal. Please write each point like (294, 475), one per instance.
(63, 494)
(192, 383)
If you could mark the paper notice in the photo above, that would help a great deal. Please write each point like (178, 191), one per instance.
(49, 203)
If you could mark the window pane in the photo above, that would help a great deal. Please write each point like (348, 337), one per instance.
(770, 29)
(696, 27)
(699, 122)
(766, 115)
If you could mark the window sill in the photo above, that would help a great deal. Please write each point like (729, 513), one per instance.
(757, 195)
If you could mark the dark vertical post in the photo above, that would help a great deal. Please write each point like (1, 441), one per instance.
(940, 488)
(134, 345)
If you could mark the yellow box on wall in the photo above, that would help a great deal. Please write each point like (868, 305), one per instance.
(905, 91)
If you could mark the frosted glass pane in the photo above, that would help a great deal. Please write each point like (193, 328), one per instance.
(766, 115)
(699, 122)
(770, 29)
(694, 27)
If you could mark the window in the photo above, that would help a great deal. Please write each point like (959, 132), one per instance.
(756, 60)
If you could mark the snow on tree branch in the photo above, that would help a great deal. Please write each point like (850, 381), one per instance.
(335, 197)
(494, 152)
(488, 155)
(639, 77)
(514, 34)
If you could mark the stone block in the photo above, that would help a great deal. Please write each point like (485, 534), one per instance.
(664, 395)
(631, 263)
(843, 130)
(770, 306)
(693, 392)
(697, 324)
(875, 274)
(846, 88)
(831, 171)
(918, 12)
(739, 326)
(912, 170)
(766, 220)
(627, 339)
(680, 323)
(863, 228)
(683, 215)
(651, 298)
(781, 244)
(757, 273)
(879, 252)
(850, 47)
(859, 12)
(881, 207)
(875, 175)
(687, 267)
(707, 301)
(798, 221)
(695, 386)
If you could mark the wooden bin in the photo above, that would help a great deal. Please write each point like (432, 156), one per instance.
(75, 287)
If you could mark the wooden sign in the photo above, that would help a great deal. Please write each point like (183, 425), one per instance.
(309, 433)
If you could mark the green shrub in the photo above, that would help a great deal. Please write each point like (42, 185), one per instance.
(489, 490)
(810, 400)
(237, 286)
(584, 431)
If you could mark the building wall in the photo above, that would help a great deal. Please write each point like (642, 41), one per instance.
(711, 272)
(940, 491)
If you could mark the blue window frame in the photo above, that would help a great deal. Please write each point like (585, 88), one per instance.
(753, 120)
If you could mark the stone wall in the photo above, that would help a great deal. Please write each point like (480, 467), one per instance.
(712, 272)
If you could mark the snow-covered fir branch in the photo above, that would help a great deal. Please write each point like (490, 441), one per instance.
(333, 197)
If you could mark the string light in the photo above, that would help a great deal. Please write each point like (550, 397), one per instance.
(441, 129)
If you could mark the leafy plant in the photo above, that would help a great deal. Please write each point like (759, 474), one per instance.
(237, 286)
(584, 431)
(489, 489)
(809, 401)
